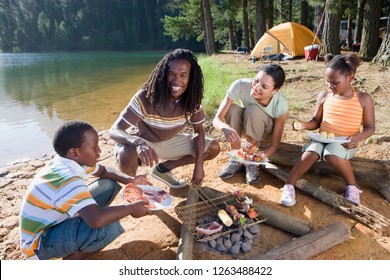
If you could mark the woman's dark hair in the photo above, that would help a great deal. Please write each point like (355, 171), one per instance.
(157, 86)
(346, 64)
(69, 135)
(276, 72)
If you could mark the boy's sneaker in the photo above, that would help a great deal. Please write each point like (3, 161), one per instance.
(252, 174)
(168, 178)
(230, 169)
(288, 195)
(352, 193)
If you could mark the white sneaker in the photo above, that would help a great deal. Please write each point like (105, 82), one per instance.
(352, 193)
(288, 195)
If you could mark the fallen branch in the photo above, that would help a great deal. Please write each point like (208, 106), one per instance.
(308, 245)
(368, 217)
(186, 241)
(374, 174)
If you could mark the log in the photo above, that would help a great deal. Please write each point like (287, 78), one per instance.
(368, 217)
(308, 245)
(186, 241)
(374, 174)
(277, 219)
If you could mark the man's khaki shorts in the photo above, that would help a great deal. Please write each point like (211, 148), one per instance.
(179, 146)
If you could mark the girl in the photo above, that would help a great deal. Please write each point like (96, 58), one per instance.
(341, 110)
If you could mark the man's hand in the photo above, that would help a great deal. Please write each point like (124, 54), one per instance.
(147, 155)
(198, 175)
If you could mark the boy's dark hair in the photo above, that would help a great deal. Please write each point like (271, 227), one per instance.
(276, 72)
(69, 135)
(158, 90)
(346, 64)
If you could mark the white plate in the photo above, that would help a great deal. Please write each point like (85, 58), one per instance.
(234, 155)
(337, 139)
(158, 206)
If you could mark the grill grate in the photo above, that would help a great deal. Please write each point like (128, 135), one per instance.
(205, 212)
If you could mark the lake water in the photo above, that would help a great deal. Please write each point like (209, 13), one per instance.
(40, 91)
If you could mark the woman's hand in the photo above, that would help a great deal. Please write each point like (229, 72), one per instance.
(231, 135)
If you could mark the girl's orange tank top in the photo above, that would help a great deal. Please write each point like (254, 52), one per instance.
(342, 117)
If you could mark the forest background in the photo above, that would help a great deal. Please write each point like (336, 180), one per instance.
(202, 25)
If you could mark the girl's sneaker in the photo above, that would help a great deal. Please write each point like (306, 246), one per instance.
(288, 195)
(352, 193)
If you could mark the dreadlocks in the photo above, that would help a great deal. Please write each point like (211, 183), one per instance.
(157, 85)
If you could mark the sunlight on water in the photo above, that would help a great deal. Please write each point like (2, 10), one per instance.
(38, 92)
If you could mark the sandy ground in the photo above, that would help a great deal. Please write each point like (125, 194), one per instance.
(157, 236)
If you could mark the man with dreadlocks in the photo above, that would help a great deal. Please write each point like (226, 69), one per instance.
(147, 130)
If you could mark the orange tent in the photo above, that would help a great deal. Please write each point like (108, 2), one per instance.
(290, 38)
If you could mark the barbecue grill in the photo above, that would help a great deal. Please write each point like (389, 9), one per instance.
(205, 212)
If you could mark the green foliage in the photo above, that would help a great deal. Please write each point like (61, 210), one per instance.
(187, 24)
(217, 80)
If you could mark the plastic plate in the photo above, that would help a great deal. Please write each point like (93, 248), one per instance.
(337, 139)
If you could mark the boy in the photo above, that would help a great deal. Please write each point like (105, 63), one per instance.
(62, 217)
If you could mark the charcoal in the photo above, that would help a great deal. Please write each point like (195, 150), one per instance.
(234, 250)
(213, 243)
(255, 229)
(247, 234)
(219, 240)
(227, 243)
(220, 247)
(245, 247)
(248, 240)
(235, 237)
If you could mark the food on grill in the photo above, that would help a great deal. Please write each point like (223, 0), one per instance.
(252, 153)
(252, 213)
(225, 218)
(242, 197)
(237, 217)
(213, 228)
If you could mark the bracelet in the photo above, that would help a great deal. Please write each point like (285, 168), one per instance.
(139, 142)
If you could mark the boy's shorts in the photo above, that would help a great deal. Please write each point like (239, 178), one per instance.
(323, 149)
(75, 235)
(179, 146)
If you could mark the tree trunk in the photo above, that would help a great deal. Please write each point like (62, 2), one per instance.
(246, 23)
(232, 42)
(350, 28)
(359, 20)
(270, 14)
(304, 13)
(383, 55)
(260, 19)
(370, 33)
(208, 22)
(308, 245)
(318, 10)
(330, 42)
